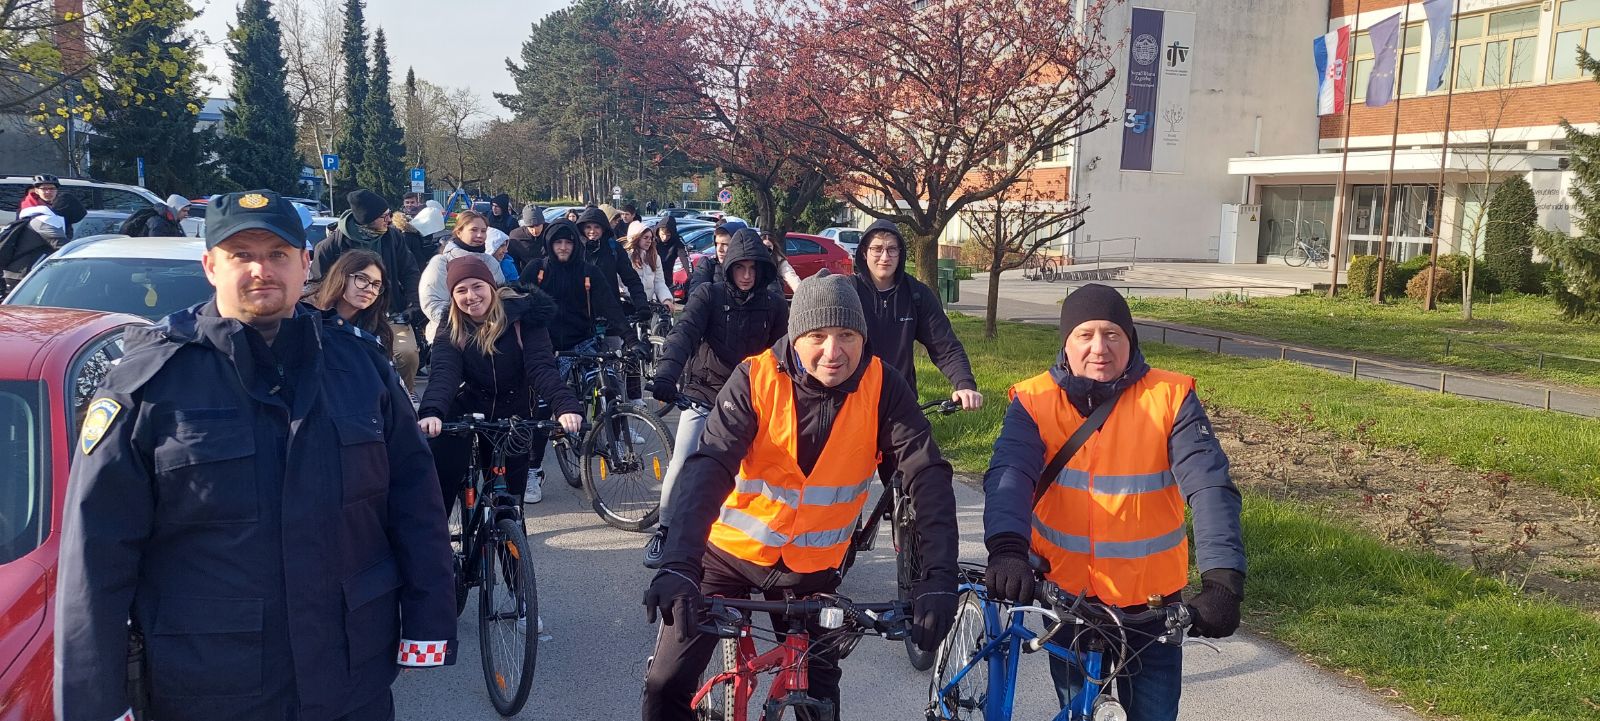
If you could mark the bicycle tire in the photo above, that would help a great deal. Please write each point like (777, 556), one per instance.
(571, 466)
(1295, 257)
(1322, 260)
(718, 704)
(907, 567)
(1048, 270)
(968, 635)
(506, 558)
(658, 350)
(631, 503)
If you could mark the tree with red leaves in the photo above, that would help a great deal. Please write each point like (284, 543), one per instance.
(937, 108)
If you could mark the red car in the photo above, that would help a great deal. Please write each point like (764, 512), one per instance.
(807, 254)
(51, 360)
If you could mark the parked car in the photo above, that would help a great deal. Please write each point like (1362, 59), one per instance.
(679, 213)
(100, 222)
(51, 360)
(319, 229)
(96, 195)
(554, 212)
(317, 207)
(808, 254)
(847, 238)
(149, 277)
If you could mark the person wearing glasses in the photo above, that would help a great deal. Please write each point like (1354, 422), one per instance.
(353, 291)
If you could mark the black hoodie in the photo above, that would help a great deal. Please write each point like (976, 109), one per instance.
(578, 289)
(904, 438)
(721, 325)
(505, 222)
(607, 255)
(467, 380)
(906, 313)
(671, 250)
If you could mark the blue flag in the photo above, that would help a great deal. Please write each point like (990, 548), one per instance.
(1386, 52)
(1439, 40)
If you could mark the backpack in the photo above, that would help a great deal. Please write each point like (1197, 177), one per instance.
(137, 225)
(9, 240)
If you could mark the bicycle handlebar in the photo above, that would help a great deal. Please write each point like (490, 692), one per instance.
(1077, 610)
(943, 408)
(476, 423)
(728, 617)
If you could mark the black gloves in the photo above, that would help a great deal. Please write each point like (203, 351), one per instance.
(642, 314)
(664, 390)
(1009, 577)
(675, 594)
(933, 609)
(1216, 607)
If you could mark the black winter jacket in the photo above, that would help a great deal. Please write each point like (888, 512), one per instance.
(462, 381)
(608, 256)
(710, 269)
(525, 247)
(903, 436)
(268, 516)
(905, 314)
(671, 250)
(580, 305)
(721, 326)
(402, 275)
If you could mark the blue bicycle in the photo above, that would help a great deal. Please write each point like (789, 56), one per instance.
(976, 667)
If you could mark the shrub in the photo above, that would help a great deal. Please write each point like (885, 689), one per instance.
(1542, 277)
(1362, 276)
(1446, 284)
(1398, 275)
(1507, 241)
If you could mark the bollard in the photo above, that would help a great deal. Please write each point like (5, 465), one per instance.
(1447, 345)
(1354, 373)
(1547, 399)
(1219, 345)
(1541, 361)
(1283, 353)
(1441, 381)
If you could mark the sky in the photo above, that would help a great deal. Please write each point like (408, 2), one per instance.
(454, 43)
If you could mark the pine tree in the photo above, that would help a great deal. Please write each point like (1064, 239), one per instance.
(382, 167)
(1577, 257)
(258, 132)
(413, 134)
(351, 141)
(1507, 246)
(144, 96)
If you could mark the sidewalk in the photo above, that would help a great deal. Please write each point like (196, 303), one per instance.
(1033, 302)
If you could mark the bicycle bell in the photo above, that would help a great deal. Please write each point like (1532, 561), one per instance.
(831, 618)
(1107, 709)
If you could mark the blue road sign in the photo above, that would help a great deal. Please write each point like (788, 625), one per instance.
(417, 175)
(330, 161)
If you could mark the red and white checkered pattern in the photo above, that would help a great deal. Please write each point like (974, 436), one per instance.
(126, 715)
(422, 653)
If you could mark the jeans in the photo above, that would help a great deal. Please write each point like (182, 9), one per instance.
(691, 423)
(1149, 690)
(541, 410)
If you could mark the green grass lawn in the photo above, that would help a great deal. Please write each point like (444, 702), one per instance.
(1451, 642)
(1504, 337)
(1557, 450)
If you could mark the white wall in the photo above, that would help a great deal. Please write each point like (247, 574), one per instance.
(1251, 58)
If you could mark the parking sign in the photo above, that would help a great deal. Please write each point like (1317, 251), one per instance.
(330, 161)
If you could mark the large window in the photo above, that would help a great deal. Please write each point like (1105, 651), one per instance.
(1364, 58)
(1496, 49)
(1577, 26)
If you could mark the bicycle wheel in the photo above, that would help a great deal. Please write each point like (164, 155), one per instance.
(571, 466)
(508, 618)
(624, 458)
(968, 635)
(1295, 257)
(717, 705)
(1048, 271)
(907, 568)
(1321, 259)
(658, 350)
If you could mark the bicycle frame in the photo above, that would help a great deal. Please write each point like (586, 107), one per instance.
(788, 658)
(478, 510)
(1003, 654)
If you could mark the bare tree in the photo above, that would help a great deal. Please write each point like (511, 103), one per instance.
(311, 36)
(1014, 224)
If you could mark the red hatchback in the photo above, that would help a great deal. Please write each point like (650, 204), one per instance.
(51, 360)
(808, 254)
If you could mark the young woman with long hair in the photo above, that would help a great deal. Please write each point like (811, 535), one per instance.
(467, 240)
(353, 289)
(653, 274)
(491, 355)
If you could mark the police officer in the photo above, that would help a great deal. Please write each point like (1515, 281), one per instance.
(251, 490)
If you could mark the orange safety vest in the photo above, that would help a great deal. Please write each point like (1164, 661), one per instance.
(1112, 522)
(775, 512)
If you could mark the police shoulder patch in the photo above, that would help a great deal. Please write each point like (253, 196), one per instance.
(101, 413)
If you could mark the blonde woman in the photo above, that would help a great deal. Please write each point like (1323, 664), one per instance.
(490, 355)
(641, 246)
(467, 240)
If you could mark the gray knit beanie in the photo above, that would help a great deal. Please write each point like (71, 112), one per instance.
(826, 300)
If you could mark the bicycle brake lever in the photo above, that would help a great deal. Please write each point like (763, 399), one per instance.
(1185, 640)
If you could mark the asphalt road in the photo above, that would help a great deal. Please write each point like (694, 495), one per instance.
(591, 666)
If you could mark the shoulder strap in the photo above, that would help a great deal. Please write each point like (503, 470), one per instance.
(1070, 448)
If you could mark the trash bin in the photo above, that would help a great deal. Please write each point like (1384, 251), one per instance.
(949, 287)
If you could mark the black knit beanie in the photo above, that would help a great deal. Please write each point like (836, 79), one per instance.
(366, 206)
(1097, 302)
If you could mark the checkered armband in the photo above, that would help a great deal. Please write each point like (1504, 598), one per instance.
(423, 653)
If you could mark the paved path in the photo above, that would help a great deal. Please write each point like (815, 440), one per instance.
(590, 582)
(1035, 302)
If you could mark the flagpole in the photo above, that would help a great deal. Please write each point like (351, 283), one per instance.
(1444, 153)
(1394, 147)
(1339, 209)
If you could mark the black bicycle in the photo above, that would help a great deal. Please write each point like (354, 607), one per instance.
(895, 506)
(653, 333)
(492, 555)
(619, 464)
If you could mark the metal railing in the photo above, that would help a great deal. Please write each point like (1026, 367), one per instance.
(1079, 256)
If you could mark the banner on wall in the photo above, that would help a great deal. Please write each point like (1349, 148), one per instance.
(1155, 117)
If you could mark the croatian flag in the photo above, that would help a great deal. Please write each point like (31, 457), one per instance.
(1333, 57)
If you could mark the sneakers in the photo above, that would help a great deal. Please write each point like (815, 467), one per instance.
(535, 490)
(653, 548)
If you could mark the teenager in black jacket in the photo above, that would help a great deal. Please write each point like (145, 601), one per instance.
(601, 249)
(722, 324)
(491, 356)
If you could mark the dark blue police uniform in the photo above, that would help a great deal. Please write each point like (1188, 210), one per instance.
(267, 516)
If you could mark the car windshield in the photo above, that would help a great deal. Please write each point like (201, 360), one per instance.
(22, 468)
(700, 240)
(98, 225)
(138, 286)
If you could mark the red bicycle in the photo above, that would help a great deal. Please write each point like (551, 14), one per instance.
(726, 695)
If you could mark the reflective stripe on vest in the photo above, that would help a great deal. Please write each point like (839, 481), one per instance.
(1112, 522)
(776, 513)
